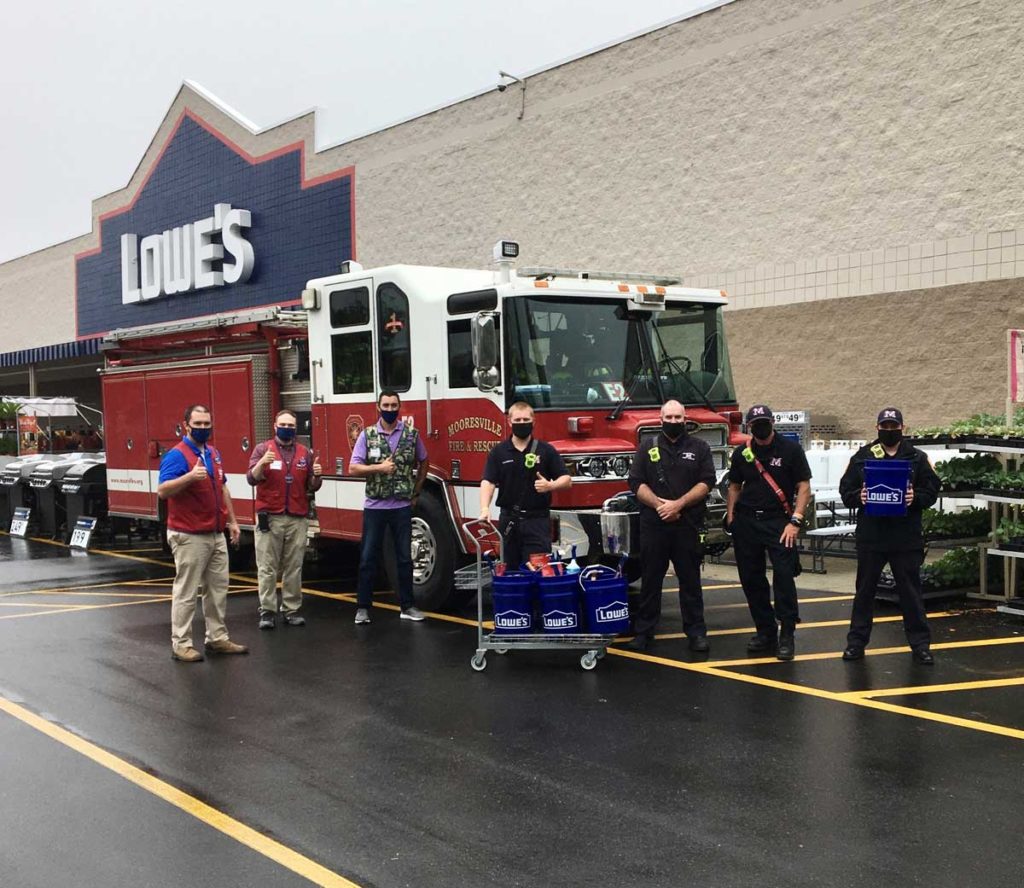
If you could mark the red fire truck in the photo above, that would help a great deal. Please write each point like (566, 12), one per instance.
(594, 353)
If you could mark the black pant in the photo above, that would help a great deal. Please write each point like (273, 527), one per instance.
(675, 542)
(906, 570)
(752, 539)
(530, 536)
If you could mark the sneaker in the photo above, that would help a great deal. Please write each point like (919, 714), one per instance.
(267, 620)
(186, 655)
(294, 619)
(853, 652)
(413, 613)
(225, 646)
(362, 616)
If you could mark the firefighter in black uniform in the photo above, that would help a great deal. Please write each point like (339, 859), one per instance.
(897, 540)
(671, 475)
(769, 488)
(526, 472)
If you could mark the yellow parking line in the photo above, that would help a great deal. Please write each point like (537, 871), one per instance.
(83, 607)
(743, 604)
(822, 624)
(234, 829)
(938, 689)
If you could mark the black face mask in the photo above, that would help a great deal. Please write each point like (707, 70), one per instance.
(522, 430)
(890, 437)
(761, 430)
(673, 430)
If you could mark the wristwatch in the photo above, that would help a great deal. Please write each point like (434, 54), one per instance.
(796, 522)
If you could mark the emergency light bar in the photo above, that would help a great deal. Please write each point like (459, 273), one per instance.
(662, 280)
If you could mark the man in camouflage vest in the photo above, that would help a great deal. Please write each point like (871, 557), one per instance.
(392, 458)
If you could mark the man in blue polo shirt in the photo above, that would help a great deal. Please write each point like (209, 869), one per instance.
(199, 510)
(392, 458)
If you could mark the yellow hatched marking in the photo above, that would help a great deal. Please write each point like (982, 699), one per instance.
(716, 670)
(983, 684)
(823, 624)
(234, 829)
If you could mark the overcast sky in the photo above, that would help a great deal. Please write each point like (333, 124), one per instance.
(84, 84)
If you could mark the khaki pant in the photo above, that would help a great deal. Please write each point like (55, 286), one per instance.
(200, 559)
(279, 551)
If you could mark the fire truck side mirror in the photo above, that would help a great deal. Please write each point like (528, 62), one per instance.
(484, 339)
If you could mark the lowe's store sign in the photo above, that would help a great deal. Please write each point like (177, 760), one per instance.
(213, 229)
(188, 258)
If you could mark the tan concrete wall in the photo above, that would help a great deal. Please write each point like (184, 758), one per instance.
(937, 354)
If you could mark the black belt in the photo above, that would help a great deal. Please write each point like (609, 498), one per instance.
(760, 514)
(526, 514)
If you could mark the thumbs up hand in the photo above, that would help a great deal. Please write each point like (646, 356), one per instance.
(542, 485)
(198, 472)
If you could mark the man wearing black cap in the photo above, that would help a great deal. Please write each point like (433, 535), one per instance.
(671, 475)
(769, 488)
(896, 539)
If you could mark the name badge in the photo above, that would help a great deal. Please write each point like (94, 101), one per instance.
(373, 453)
(276, 465)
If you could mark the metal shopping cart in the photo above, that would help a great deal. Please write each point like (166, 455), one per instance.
(593, 645)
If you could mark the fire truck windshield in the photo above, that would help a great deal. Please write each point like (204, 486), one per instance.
(573, 353)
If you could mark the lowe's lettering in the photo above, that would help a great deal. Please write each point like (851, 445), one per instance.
(187, 258)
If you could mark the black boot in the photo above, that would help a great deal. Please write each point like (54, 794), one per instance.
(761, 644)
(787, 643)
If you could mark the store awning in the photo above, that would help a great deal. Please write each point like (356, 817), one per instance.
(78, 349)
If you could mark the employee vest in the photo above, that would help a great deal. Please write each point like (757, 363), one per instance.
(283, 490)
(199, 508)
(400, 483)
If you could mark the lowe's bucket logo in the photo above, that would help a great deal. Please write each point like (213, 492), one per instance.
(882, 493)
(560, 620)
(610, 613)
(512, 620)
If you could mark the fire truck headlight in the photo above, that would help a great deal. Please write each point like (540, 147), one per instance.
(620, 466)
(597, 468)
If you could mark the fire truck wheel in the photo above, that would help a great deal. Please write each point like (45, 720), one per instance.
(433, 555)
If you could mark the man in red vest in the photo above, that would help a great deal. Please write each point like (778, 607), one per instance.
(284, 475)
(199, 510)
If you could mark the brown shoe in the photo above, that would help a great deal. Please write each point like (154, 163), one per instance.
(186, 655)
(225, 646)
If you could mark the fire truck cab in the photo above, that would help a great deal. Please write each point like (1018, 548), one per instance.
(594, 353)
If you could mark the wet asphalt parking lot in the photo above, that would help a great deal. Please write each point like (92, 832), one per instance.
(376, 756)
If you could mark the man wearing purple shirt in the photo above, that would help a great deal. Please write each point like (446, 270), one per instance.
(392, 458)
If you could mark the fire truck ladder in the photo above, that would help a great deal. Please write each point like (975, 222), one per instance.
(278, 318)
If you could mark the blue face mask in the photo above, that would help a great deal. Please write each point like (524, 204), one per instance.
(389, 416)
(285, 434)
(200, 436)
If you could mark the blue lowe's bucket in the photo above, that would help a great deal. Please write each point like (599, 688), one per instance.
(886, 481)
(605, 601)
(512, 597)
(559, 604)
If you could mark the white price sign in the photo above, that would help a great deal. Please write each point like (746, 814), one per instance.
(19, 523)
(794, 417)
(82, 533)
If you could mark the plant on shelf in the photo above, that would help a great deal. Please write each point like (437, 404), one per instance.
(965, 473)
(1010, 535)
(981, 425)
(1004, 484)
(965, 525)
(8, 415)
(957, 569)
